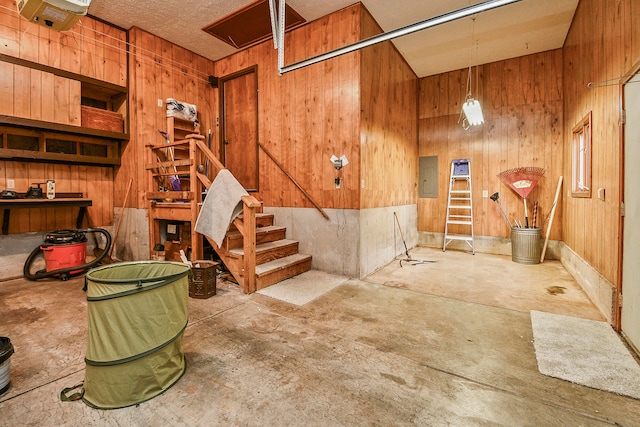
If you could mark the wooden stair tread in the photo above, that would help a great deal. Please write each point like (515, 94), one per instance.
(259, 230)
(281, 264)
(264, 247)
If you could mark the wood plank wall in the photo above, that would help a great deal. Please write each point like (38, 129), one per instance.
(388, 124)
(521, 100)
(308, 115)
(159, 70)
(602, 45)
(92, 49)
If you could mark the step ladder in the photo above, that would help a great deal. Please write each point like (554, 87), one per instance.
(460, 205)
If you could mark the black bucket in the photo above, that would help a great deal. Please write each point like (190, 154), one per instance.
(6, 350)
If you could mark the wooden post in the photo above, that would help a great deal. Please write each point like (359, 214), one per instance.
(553, 212)
(249, 234)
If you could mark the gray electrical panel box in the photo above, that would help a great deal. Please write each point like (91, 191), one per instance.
(428, 177)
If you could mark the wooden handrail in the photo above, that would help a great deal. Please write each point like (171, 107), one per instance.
(292, 179)
(209, 155)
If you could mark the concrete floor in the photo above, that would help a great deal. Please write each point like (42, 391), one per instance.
(445, 343)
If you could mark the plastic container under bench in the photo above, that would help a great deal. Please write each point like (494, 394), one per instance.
(203, 282)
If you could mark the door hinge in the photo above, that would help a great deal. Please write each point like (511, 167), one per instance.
(620, 300)
(623, 117)
(622, 209)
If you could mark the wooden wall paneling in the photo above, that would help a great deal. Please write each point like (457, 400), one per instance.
(44, 51)
(18, 171)
(61, 173)
(265, 132)
(6, 87)
(154, 57)
(115, 59)
(28, 39)
(38, 217)
(316, 114)
(61, 100)
(47, 96)
(9, 29)
(178, 88)
(68, 59)
(286, 151)
(86, 36)
(493, 222)
(301, 169)
(21, 92)
(35, 94)
(54, 44)
(75, 94)
(328, 186)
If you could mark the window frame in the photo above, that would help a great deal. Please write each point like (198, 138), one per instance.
(581, 148)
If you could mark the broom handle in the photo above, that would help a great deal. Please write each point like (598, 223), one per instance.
(124, 205)
(551, 215)
(526, 214)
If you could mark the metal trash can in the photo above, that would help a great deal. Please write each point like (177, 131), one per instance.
(6, 350)
(525, 245)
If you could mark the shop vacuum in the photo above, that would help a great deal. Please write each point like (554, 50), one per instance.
(64, 253)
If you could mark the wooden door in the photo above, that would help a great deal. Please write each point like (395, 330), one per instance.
(630, 322)
(240, 127)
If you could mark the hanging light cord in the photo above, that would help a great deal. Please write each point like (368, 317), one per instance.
(463, 119)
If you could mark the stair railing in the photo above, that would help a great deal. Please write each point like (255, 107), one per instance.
(246, 226)
(292, 179)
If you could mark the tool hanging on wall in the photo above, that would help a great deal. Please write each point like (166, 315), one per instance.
(406, 250)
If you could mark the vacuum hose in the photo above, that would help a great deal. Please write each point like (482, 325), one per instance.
(65, 273)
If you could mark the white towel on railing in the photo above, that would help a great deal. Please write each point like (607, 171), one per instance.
(222, 204)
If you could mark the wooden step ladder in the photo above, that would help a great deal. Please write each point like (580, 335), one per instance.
(460, 205)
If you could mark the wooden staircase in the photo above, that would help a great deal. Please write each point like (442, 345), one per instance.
(276, 257)
(255, 251)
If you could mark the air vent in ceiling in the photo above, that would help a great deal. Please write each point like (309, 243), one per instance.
(250, 25)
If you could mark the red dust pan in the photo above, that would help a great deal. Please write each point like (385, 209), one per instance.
(522, 180)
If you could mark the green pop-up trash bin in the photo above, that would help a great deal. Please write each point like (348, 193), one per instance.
(137, 314)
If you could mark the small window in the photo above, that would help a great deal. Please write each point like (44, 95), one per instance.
(61, 146)
(94, 150)
(23, 142)
(581, 158)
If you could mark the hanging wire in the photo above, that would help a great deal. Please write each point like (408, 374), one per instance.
(462, 119)
(141, 53)
(610, 82)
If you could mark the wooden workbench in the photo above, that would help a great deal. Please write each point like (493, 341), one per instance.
(8, 204)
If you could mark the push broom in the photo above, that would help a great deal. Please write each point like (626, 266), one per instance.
(522, 180)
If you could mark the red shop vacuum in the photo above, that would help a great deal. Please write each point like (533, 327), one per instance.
(64, 253)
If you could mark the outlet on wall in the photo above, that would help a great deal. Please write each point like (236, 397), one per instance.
(485, 193)
(11, 184)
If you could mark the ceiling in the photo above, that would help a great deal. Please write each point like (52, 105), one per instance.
(523, 28)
